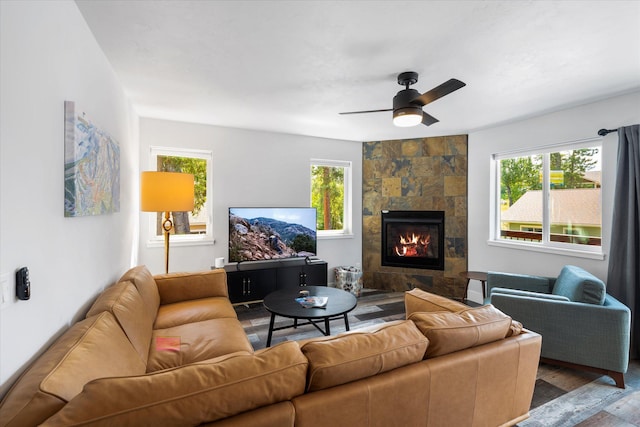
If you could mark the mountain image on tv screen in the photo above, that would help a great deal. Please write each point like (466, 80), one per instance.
(259, 234)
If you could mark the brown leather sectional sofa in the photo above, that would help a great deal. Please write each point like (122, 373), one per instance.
(169, 350)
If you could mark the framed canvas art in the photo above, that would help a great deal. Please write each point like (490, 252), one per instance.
(91, 166)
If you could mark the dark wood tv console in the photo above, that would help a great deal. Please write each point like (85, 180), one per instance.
(252, 281)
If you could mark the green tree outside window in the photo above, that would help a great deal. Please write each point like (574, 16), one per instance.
(327, 196)
(198, 168)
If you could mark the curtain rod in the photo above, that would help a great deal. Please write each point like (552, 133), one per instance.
(603, 132)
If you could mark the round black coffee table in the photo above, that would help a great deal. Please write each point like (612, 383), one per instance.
(283, 303)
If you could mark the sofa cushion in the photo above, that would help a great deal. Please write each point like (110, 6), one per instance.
(193, 342)
(355, 355)
(449, 332)
(143, 280)
(125, 303)
(579, 286)
(197, 310)
(184, 396)
(417, 300)
(92, 348)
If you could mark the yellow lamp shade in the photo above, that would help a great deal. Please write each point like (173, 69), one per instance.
(166, 192)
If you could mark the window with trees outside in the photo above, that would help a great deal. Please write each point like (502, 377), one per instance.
(550, 197)
(331, 196)
(194, 226)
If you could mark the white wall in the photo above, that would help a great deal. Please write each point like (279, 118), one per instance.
(47, 56)
(250, 168)
(568, 125)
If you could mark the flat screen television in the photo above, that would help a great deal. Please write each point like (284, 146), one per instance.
(261, 234)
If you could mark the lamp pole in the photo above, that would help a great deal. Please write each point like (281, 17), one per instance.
(167, 225)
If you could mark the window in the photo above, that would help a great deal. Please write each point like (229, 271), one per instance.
(550, 197)
(194, 226)
(331, 196)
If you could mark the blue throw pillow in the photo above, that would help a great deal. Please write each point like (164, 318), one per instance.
(579, 286)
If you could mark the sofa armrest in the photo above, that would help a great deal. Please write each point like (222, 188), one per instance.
(587, 334)
(176, 287)
(527, 294)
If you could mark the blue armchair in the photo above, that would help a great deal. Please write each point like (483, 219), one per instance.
(581, 325)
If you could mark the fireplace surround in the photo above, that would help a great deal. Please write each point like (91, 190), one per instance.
(415, 174)
(413, 239)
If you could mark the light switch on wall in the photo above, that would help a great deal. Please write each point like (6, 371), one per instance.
(6, 296)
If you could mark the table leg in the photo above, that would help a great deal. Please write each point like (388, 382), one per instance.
(484, 290)
(346, 322)
(271, 322)
(326, 326)
(466, 289)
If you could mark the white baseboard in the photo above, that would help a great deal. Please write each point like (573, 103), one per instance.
(475, 295)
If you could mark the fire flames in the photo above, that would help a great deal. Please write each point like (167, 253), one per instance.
(415, 245)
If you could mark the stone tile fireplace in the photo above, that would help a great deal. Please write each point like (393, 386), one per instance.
(428, 174)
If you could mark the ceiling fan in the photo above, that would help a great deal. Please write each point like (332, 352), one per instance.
(408, 103)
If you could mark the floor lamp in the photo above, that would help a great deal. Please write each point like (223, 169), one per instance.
(166, 192)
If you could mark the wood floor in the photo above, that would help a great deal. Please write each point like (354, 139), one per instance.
(562, 398)
(566, 397)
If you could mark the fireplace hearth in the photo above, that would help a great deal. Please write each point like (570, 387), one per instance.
(413, 239)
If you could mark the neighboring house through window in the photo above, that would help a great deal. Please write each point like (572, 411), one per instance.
(189, 227)
(549, 197)
(331, 196)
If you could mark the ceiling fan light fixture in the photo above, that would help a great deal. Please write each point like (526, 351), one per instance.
(407, 117)
(408, 103)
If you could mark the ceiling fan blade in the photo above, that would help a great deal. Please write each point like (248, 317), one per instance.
(368, 111)
(438, 92)
(428, 119)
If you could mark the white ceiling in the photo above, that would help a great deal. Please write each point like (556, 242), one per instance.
(291, 66)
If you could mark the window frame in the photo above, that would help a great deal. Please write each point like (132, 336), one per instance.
(183, 239)
(545, 245)
(347, 220)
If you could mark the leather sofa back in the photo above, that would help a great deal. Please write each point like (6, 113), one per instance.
(355, 355)
(417, 300)
(192, 394)
(125, 303)
(171, 287)
(449, 332)
(92, 348)
(489, 385)
(142, 278)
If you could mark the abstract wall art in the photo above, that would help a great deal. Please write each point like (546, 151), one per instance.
(91, 166)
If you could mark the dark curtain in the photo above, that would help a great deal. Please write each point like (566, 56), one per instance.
(623, 278)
